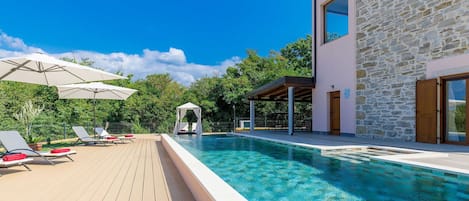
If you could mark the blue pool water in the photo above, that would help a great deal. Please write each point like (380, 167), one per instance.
(262, 170)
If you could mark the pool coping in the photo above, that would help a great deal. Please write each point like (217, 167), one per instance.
(402, 159)
(202, 182)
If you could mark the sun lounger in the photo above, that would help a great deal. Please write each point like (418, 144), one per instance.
(20, 162)
(14, 143)
(85, 138)
(104, 134)
(194, 127)
(183, 128)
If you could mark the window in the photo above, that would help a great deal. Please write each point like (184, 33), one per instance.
(456, 124)
(335, 20)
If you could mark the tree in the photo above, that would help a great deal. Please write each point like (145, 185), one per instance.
(298, 55)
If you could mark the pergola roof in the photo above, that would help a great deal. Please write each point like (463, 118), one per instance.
(277, 90)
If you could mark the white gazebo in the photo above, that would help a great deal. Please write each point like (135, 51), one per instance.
(181, 113)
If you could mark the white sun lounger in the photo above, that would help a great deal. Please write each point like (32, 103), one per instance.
(103, 133)
(85, 138)
(22, 162)
(183, 127)
(194, 127)
(14, 143)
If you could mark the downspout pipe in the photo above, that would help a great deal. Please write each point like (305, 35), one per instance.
(314, 42)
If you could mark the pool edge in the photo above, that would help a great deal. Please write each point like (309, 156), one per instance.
(202, 182)
(394, 159)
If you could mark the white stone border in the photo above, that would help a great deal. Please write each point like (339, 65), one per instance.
(398, 158)
(203, 183)
(406, 159)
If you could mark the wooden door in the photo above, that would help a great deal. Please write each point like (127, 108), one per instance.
(334, 112)
(426, 111)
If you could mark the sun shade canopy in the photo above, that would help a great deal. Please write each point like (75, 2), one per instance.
(46, 70)
(277, 90)
(94, 90)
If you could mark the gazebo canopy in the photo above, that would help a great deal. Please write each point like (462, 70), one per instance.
(181, 113)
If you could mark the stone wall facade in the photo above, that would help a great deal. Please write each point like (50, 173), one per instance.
(395, 40)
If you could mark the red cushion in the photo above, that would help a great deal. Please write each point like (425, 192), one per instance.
(55, 151)
(14, 157)
(111, 137)
(129, 135)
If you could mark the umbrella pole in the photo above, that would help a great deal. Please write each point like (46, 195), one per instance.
(94, 114)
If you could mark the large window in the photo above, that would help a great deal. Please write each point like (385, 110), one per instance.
(456, 125)
(335, 20)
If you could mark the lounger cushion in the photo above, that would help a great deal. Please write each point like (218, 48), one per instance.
(129, 135)
(14, 157)
(111, 137)
(55, 151)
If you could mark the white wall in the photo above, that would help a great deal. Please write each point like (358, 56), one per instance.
(335, 66)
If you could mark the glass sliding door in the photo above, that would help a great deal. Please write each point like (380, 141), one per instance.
(456, 129)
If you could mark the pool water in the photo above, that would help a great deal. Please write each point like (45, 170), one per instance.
(263, 170)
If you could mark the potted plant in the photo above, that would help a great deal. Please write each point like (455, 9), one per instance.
(33, 142)
(26, 116)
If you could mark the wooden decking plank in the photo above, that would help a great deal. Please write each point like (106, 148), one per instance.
(137, 183)
(93, 174)
(100, 187)
(148, 182)
(114, 189)
(161, 188)
(71, 178)
(125, 189)
(131, 171)
(111, 183)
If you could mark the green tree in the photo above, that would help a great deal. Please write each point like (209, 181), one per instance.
(298, 55)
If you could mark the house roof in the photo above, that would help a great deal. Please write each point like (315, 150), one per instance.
(277, 90)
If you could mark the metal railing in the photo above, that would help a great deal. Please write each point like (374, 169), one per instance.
(56, 131)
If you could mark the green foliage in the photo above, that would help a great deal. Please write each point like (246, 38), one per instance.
(298, 55)
(137, 128)
(27, 114)
(460, 118)
(34, 139)
(153, 107)
(217, 95)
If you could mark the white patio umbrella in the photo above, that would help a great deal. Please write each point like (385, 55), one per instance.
(42, 69)
(94, 90)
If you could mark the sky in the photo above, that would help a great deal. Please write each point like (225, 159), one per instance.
(187, 39)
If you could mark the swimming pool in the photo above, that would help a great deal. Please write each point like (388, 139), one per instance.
(263, 170)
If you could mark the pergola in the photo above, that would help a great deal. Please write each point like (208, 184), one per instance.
(287, 88)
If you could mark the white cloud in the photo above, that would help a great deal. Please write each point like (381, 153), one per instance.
(13, 46)
(172, 62)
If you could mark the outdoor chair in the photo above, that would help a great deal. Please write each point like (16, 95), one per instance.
(85, 138)
(104, 134)
(194, 127)
(15, 162)
(15, 143)
(183, 127)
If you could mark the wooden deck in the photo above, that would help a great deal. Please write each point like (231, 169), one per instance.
(135, 171)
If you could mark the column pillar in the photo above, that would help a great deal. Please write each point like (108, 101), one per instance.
(291, 110)
(251, 116)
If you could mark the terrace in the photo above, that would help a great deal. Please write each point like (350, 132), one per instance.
(135, 171)
(144, 170)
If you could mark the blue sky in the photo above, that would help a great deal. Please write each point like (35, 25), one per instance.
(204, 34)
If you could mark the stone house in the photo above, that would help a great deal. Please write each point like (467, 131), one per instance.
(392, 69)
